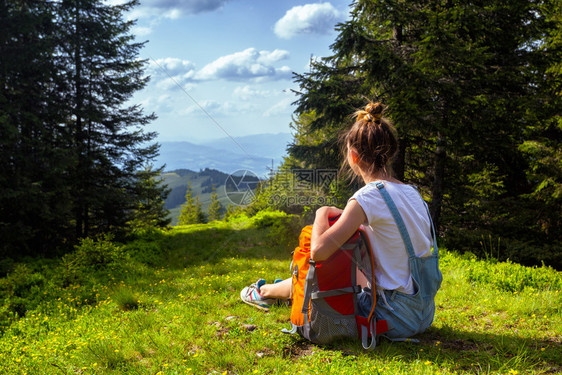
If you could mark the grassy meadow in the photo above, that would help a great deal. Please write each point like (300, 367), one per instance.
(168, 303)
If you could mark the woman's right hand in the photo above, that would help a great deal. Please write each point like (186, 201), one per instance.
(328, 211)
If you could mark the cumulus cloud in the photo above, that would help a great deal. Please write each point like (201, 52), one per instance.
(307, 19)
(176, 8)
(158, 104)
(248, 64)
(167, 73)
(173, 66)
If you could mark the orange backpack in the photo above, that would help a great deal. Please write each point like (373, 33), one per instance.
(324, 301)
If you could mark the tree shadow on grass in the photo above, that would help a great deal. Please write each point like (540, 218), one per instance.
(457, 350)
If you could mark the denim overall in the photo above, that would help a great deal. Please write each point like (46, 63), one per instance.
(407, 314)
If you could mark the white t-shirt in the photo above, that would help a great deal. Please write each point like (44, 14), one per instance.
(392, 269)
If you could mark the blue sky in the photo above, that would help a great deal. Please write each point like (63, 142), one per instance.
(235, 58)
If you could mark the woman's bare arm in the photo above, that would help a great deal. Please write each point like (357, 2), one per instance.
(325, 240)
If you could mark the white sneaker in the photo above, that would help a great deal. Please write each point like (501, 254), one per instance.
(252, 296)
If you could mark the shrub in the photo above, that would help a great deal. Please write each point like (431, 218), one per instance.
(144, 251)
(21, 290)
(20, 281)
(91, 257)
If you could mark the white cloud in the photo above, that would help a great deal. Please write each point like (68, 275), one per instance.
(269, 58)
(248, 92)
(169, 72)
(158, 104)
(176, 8)
(173, 66)
(307, 19)
(248, 64)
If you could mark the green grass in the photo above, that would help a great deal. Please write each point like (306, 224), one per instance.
(171, 306)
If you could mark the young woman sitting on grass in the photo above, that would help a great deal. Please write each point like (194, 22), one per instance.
(405, 302)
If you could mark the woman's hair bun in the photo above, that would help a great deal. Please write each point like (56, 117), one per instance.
(375, 110)
(371, 114)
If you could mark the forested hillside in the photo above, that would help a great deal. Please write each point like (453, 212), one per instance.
(202, 184)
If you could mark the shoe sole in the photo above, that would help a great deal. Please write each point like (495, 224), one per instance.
(266, 309)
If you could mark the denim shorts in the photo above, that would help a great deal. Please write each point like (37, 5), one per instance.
(405, 314)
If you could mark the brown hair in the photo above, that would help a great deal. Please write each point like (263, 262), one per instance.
(373, 137)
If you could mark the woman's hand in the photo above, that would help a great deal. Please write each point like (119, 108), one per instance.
(328, 211)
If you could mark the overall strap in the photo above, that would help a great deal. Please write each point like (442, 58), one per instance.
(397, 218)
(435, 249)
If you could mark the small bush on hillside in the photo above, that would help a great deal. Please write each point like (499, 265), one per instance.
(91, 257)
(21, 290)
(236, 216)
(266, 218)
(20, 281)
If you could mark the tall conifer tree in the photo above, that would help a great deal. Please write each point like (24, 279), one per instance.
(188, 213)
(34, 194)
(102, 71)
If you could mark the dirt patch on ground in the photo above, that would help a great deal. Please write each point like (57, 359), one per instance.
(457, 344)
(298, 349)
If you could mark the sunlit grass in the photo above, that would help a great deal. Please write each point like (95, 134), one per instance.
(180, 313)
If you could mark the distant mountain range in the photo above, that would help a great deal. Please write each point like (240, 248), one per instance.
(255, 153)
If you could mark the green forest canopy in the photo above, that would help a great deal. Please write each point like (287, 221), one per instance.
(475, 91)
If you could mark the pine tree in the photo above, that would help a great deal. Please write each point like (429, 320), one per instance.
(215, 208)
(34, 194)
(191, 210)
(150, 211)
(100, 64)
(187, 213)
(200, 216)
(70, 148)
